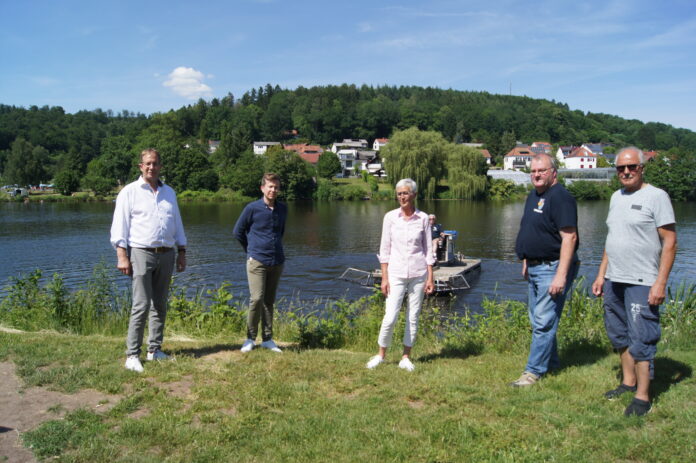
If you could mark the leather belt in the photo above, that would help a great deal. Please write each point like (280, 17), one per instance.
(534, 262)
(160, 250)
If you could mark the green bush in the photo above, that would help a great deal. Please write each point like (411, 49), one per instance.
(679, 316)
(351, 192)
(505, 189)
(326, 191)
(587, 190)
(499, 325)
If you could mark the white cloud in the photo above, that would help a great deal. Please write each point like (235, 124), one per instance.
(188, 83)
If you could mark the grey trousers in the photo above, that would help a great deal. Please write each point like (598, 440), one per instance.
(263, 283)
(152, 273)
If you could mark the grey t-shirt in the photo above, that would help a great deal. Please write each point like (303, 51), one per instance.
(633, 244)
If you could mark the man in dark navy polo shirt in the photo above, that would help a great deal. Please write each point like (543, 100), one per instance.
(260, 230)
(547, 244)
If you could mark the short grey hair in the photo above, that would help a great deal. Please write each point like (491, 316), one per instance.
(432, 216)
(639, 152)
(553, 161)
(409, 183)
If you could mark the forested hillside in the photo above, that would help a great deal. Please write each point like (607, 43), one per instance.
(97, 148)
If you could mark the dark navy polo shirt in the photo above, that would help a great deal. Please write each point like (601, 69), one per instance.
(544, 216)
(259, 229)
(436, 230)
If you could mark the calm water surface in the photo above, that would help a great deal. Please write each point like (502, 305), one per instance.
(322, 239)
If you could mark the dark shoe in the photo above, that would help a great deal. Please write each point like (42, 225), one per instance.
(622, 389)
(638, 407)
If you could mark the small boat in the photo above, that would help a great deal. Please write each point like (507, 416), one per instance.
(452, 272)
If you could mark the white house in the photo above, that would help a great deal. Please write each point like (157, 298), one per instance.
(595, 148)
(540, 147)
(581, 158)
(260, 147)
(357, 143)
(563, 152)
(348, 158)
(520, 157)
(379, 142)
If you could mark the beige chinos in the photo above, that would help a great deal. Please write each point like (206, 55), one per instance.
(263, 283)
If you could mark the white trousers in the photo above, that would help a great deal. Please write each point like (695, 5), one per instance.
(398, 288)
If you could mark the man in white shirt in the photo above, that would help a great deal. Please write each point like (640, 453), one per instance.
(145, 229)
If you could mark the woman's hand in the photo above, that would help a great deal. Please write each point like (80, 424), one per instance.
(385, 286)
(429, 286)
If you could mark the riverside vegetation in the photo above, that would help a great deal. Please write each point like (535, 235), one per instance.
(317, 402)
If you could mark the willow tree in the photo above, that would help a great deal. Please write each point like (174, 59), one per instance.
(418, 155)
(466, 172)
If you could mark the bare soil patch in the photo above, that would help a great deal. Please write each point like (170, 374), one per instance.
(23, 409)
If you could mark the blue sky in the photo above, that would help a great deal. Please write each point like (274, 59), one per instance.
(636, 59)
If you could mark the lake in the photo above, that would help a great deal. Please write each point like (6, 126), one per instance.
(322, 239)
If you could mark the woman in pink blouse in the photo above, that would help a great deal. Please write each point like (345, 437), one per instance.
(406, 258)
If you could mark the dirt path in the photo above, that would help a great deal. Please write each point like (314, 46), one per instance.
(23, 409)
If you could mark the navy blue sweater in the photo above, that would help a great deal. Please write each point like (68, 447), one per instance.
(259, 229)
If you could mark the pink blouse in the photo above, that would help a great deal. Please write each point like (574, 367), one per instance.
(406, 245)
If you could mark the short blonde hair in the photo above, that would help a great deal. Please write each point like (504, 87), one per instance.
(153, 151)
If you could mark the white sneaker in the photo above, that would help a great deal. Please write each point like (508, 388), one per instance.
(157, 355)
(271, 345)
(406, 364)
(133, 364)
(374, 361)
(248, 345)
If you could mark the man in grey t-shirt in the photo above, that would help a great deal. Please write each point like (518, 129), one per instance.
(638, 256)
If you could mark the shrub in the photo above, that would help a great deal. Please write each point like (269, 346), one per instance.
(505, 189)
(351, 192)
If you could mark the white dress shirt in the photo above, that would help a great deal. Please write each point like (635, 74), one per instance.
(145, 218)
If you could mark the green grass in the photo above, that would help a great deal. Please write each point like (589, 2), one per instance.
(318, 402)
(323, 405)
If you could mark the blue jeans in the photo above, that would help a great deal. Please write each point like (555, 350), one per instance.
(544, 315)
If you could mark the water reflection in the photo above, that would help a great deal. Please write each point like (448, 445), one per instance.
(322, 239)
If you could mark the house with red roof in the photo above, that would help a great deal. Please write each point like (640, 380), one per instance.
(650, 155)
(379, 142)
(309, 153)
(581, 158)
(520, 157)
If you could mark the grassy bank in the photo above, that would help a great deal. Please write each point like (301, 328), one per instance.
(320, 404)
(80, 197)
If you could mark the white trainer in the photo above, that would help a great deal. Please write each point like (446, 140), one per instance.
(157, 355)
(374, 361)
(133, 364)
(271, 345)
(248, 345)
(406, 364)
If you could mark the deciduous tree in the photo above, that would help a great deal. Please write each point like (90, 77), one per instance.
(418, 155)
(328, 165)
